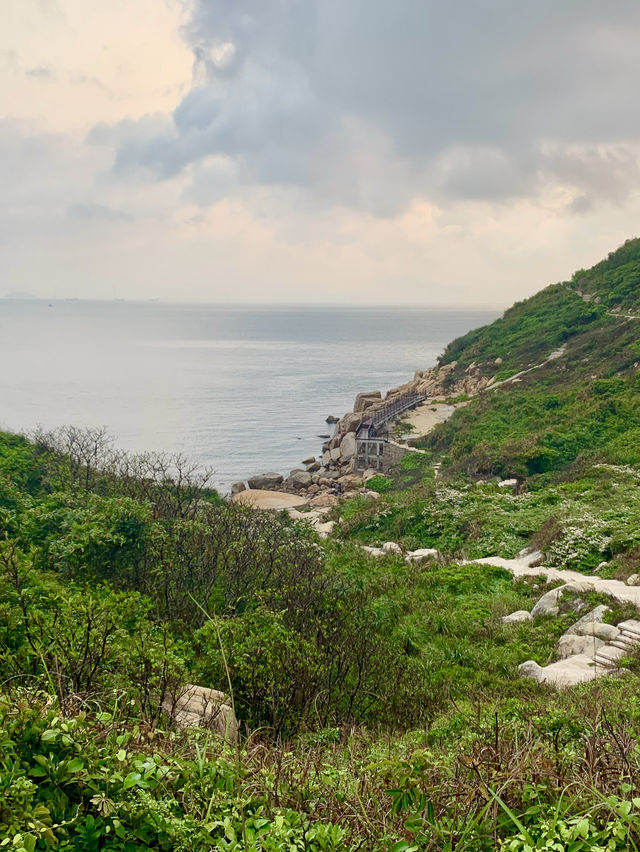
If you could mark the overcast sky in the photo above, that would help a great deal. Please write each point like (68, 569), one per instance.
(407, 151)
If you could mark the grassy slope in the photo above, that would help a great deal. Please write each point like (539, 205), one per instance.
(581, 407)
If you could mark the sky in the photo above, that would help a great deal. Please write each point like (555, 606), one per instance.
(315, 151)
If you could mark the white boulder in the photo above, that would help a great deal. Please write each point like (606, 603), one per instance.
(518, 615)
(422, 553)
(198, 706)
(530, 669)
(571, 644)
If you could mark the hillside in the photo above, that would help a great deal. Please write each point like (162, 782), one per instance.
(378, 689)
(578, 408)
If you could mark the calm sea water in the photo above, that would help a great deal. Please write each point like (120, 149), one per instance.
(242, 389)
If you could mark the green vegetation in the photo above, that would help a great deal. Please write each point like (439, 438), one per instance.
(379, 699)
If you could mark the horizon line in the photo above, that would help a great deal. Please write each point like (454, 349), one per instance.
(152, 300)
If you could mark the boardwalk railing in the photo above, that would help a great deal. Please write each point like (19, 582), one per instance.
(391, 409)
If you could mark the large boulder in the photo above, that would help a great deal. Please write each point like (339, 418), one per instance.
(531, 669)
(270, 501)
(350, 422)
(606, 632)
(421, 553)
(194, 706)
(571, 644)
(335, 454)
(366, 400)
(348, 447)
(326, 458)
(299, 479)
(549, 603)
(585, 626)
(265, 481)
(238, 487)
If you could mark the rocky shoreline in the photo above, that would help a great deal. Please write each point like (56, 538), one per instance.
(322, 480)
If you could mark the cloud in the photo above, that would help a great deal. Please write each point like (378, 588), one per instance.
(41, 72)
(96, 213)
(371, 106)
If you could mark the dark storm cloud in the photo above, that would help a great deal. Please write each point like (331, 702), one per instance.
(371, 103)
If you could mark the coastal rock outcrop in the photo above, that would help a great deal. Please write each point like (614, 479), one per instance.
(265, 480)
(366, 400)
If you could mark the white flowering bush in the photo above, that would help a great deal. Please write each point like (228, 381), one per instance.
(583, 543)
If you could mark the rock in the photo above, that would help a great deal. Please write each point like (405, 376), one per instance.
(313, 489)
(271, 501)
(329, 476)
(295, 515)
(422, 553)
(606, 632)
(324, 501)
(324, 530)
(570, 644)
(518, 615)
(348, 446)
(391, 547)
(372, 495)
(584, 624)
(326, 458)
(198, 706)
(350, 422)
(334, 454)
(548, 603)
(350, 482)
(508, 483)
(633, 580)
(266, 480)
(369, 474)
(498, 361)
(299, 479)
(313, 467)
(238, 487)
(530, 669)
(600, 567)
(366, 400)
(373, 551)
(310, 460)
(332, 419)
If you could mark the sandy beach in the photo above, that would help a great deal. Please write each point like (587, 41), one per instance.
(426, 416)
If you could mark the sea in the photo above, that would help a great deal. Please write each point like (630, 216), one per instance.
(240, 389)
